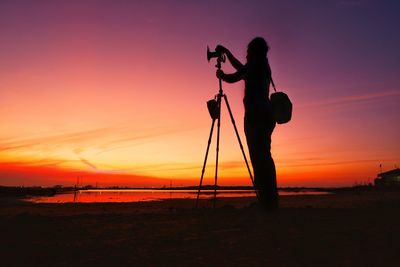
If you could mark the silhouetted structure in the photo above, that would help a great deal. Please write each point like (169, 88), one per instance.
(388, 178)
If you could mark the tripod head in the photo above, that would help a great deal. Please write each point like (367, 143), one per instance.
(220, 57)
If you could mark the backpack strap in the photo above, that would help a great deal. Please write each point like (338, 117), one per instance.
(273, 84)
(270, 77)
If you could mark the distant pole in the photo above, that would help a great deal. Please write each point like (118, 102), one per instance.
(380, 167)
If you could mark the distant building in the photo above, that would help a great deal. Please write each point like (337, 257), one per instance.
(389, 178)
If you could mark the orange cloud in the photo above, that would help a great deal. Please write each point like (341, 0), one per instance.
(15, 174)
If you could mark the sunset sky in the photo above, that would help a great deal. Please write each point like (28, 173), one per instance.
(115, 91)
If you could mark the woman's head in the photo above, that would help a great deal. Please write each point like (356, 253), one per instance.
(257, 49)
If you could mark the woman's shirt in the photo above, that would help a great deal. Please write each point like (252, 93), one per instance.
(256, 93)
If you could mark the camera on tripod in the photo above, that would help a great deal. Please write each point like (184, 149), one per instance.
(213, 104)
(214, 108)
(211, 54)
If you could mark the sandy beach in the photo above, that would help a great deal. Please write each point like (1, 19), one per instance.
(354, 228)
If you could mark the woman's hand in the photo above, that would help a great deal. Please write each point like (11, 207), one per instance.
(220, 74)
(221, 49)
(234, 61)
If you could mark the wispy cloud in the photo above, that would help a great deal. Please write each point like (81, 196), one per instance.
(74, 137)
(43, 162)
(86, 162)
(130, 137)
(104, 139)
(352, 99)
(160, 167)
(18, 173)
(313, 162)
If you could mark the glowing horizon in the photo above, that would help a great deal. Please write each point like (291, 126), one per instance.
(116, 91)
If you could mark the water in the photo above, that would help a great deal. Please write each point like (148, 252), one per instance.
(136, 195)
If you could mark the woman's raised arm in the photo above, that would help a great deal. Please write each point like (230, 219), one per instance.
(232, 59)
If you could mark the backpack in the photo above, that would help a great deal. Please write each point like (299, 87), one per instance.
(281, 106)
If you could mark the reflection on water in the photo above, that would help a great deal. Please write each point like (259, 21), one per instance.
(136, 195)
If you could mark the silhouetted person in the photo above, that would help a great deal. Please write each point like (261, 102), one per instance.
(258, 120)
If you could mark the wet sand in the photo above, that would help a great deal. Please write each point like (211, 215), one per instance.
(354, 228)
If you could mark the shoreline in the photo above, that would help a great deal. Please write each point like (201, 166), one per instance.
(20, 191)
(125, 195)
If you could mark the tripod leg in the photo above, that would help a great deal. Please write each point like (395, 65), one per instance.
(240, 144)
(205, 162)
(216, 158)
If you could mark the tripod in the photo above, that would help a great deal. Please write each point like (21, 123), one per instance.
(216, 116)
